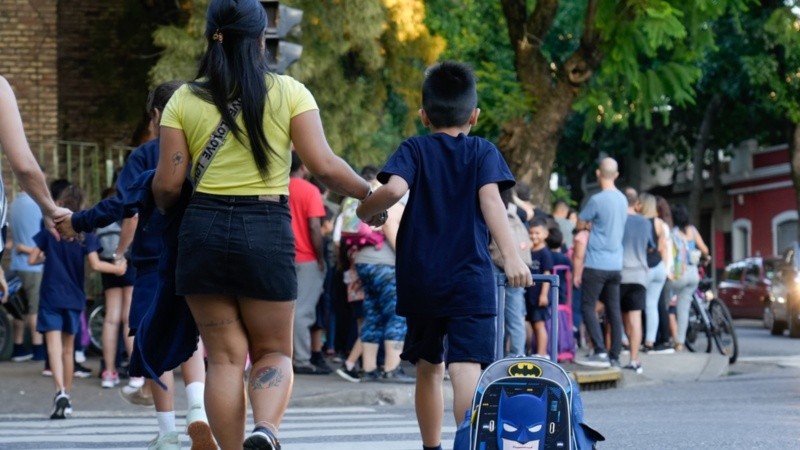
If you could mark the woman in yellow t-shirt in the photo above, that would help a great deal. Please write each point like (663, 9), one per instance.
(236, 249)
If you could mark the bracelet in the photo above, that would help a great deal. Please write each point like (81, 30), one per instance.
(369, 193)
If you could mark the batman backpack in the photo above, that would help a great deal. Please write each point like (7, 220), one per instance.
(528, 401)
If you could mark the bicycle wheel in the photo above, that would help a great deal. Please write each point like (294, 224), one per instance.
(698, 336)
(723, 330)
(96, 318)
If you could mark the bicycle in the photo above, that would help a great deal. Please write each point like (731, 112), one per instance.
(709, 319)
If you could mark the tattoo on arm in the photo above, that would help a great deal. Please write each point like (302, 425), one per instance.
(177, 160)
(266, 377)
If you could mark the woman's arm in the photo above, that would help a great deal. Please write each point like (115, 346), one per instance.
(578, 255)
(701, 245)
(173, 162)
(393, 224)
(663, 244)
(98, 265)
(311, 145)
(23, 163)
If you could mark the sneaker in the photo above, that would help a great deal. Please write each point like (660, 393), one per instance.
(309, 369)
(595, 360)
(350, 375)
(198, 430)
(46, 372)
(135, 396)
(20, 354)
(169, 441)
(613, 362)
(662, 349)
(261, 439)
(397, 375)
(60, 403)
(136, 382)
(68, 409)
(81, 371)
(321, 365)
(80, 356)
(110, 379)
(39, 353)
(374, 375)
(635, 366)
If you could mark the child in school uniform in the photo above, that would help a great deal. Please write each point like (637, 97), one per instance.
(536, 296)
(62, 297)
(445, 280)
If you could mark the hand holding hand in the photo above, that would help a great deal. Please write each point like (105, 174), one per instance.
(122, 266)
(378, 219)
(59, 214)
(64, 227)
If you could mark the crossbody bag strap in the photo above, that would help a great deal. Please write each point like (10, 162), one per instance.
(214, 143)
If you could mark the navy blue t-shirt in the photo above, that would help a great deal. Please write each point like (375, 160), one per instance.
(542, 262)
(63, 278)
(443, 264)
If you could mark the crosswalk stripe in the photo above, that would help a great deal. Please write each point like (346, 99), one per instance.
(347, 428)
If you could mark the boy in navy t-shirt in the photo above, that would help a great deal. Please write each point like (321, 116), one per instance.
(536, 296)
(445, 283)
(555, 242)
(62, 297)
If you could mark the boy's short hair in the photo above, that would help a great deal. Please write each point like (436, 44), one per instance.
(555, 238)
(538, 222)
(449, 94)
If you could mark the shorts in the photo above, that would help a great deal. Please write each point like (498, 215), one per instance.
(469, 339)
(111, 281)
(357, 309)
(236, 245)
(58, 319)
(632, 297)
(537, 314)
(144, 295)
(31, 285)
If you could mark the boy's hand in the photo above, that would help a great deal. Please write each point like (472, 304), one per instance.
(544, 302)
(518, 273)
(377, 220)
(64, 227)
(121, 266)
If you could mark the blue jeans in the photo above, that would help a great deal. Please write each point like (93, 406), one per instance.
(514, 318)
(656, 277)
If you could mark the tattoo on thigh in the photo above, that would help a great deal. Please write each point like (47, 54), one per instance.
(266, 377)
(217, 323)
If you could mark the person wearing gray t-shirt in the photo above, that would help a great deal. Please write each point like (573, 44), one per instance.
(607, 212)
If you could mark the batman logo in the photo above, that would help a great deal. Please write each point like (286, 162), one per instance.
(525, 369)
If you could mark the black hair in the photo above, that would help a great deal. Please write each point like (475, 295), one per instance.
(523, 191)
(57, 187)
(71, 197)
(538, 222)
(235, 67)
(369, 172)
(296, 163)
(555, 238)
(158, 97)
(680, 215)
(449, 94)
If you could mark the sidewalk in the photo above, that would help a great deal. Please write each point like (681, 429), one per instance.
(23, 390)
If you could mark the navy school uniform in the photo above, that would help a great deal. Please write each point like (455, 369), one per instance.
(62, 295)
(542, 262)
(443, 263)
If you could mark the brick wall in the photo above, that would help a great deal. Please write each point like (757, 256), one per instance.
(28, 60)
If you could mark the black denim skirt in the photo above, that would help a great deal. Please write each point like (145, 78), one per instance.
(237, 245)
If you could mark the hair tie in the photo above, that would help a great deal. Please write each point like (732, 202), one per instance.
(217, 36)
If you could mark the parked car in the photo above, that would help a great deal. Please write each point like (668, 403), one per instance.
(782, 310)
(745, 286)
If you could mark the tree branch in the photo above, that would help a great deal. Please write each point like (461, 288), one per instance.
(581, 64)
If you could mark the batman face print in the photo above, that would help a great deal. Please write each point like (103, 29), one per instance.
(521, 421)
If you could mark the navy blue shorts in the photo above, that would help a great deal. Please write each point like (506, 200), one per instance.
(236, 245)
(537, 313)
(469, 339)
(58, 319)
(144, 295)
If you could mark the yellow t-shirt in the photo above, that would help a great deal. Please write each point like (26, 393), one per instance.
(233, 170)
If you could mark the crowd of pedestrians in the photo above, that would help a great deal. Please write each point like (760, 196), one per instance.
(279, 279)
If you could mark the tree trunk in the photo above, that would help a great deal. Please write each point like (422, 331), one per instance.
(530, 146)
(698, 158)
(794, 153)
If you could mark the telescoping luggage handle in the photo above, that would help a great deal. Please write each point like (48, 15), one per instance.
(500, 289)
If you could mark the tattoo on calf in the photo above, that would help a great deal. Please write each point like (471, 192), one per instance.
(217, 323)
(266, 377)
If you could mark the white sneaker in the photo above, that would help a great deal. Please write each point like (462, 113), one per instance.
(80, 356)
(136, 382)
(169, 441)
(198, 430)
